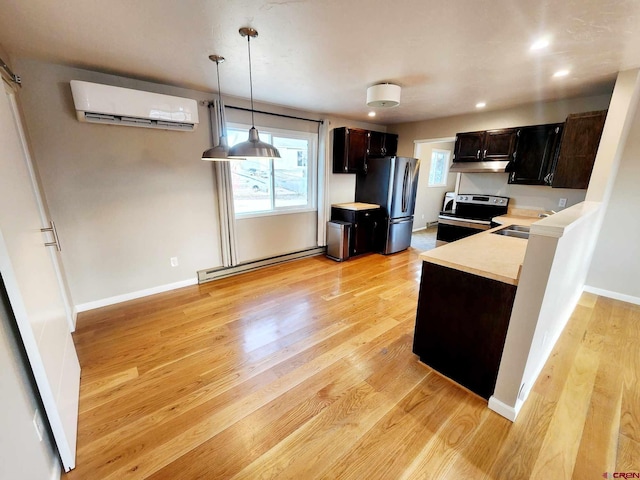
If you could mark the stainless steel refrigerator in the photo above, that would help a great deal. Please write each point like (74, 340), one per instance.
(392, 183)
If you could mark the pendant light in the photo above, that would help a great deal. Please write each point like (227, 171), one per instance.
(253, 147)
(220, 151)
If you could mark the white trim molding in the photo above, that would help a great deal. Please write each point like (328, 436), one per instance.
(83, 307)
(507, 411)
(610, 294)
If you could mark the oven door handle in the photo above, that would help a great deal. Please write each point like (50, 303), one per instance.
(468, 223)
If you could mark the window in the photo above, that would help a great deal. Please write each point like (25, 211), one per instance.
(439, 167)
(276, 185)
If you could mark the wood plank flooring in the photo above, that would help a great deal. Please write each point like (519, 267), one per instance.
(304, 370)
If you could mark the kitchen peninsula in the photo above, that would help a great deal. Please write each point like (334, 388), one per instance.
(466, 295)
(492, 307)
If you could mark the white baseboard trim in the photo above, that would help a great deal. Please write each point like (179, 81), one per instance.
(501, 408)
(615, 295)
(418, 229)
(83, 307)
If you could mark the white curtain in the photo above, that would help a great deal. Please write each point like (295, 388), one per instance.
(324, 172)
(224, 188)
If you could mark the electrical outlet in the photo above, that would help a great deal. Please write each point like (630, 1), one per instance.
(562, 203)
(174, 261)
(37, 424)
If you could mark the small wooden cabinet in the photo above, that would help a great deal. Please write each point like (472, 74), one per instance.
(352, 147)
(364, 228)
(578, 148)
(536, 151)
(349, 150)
(382, 144)
(461, 325)
(490, 145)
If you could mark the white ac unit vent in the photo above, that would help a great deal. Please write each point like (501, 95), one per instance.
(99, 103)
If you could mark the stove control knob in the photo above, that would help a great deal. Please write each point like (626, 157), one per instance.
(495, 200)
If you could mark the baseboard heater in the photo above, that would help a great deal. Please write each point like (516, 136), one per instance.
(222, 272)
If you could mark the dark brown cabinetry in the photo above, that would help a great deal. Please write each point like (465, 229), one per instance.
(349, 150)
(382, 144)
(468, 146)
(352, 147)
(578, 148)
(490, 145)
(364, 227)
(536, 150)
(462, 335)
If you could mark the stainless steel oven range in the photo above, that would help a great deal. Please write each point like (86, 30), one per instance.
(472, 214)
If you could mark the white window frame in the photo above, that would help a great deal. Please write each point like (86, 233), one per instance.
(446, 168)
(312, 171)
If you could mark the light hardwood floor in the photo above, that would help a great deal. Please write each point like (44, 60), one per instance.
(304, 370)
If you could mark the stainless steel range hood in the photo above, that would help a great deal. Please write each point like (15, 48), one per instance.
(480, 167)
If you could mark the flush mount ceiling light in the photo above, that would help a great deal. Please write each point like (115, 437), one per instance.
(371, 114)
(481, 104)
(383, 95)
(253, 147)
(561, 73)
(220, 151)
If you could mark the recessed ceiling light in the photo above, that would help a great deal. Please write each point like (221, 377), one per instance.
(372, 114)
(541, 43)
(481, 105)
(561, 73)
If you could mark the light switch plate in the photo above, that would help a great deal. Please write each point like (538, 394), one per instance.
(562, 202)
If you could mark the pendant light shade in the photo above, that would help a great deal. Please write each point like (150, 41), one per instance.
(383, 95)
(218, 152)
(253, 147)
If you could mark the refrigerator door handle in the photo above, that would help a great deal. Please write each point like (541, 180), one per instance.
(405, 183)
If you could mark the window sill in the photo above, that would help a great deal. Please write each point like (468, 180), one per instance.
(271, 213)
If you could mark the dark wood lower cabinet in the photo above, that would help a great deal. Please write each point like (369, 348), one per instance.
(461, 325)
(364, 228)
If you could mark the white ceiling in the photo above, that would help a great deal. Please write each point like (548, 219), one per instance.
(321, 55)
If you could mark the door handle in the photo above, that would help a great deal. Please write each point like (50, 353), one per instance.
(56, 240)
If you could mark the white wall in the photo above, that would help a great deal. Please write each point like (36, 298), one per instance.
(124, 199)
(533, 197)
(522, 196)
(273, 235)
(615, 268)
(429, 200)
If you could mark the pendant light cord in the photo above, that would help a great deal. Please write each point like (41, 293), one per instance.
(250, 79)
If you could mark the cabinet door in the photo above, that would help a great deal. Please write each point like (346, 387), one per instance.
(364, 235)
(468, 146)
(382, 144)
(349, 150)
(376, 141)
(499, 144)
(535, 151)
(390, 144)
(578, 148)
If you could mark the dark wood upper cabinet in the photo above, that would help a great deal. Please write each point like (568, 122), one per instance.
(486, 146)
(469, 146)
(349, 150)
(536, 151)
(578, 148)
(499, 144)
(352, 147)
(382, 144)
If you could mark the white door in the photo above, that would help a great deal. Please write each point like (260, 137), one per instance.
(31, 280)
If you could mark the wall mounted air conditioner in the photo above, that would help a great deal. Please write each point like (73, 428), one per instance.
(99, 103)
